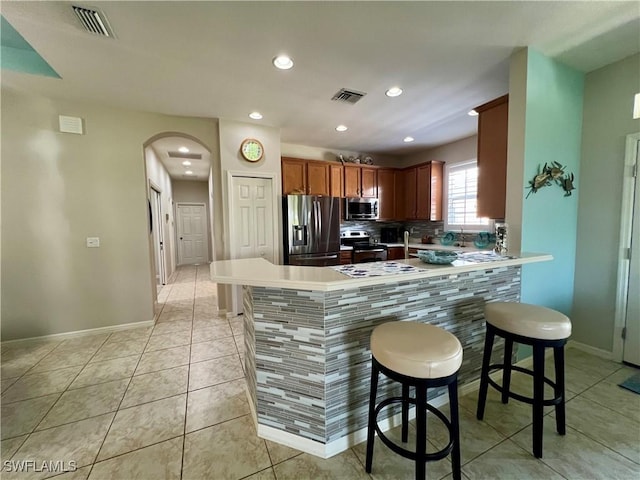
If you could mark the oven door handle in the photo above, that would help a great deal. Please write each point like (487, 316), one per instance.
(371, 250)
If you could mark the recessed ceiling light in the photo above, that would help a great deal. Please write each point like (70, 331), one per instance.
(186, 163)
(282, 62)
(393, 92)
(472, 113)
(188, 172)
(183, 150)
(408, 139)
(255, 115)
(341, 128)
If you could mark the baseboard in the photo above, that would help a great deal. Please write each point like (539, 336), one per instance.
(83, 333)
(591, 350)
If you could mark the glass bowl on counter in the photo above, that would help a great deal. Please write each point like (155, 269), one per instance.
(437, 257)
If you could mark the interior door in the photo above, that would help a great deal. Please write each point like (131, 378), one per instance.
(252, 228)
(631, 349)
(158, 236)
(192, 234)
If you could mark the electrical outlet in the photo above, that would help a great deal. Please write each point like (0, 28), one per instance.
(437, 231)
(93, 242)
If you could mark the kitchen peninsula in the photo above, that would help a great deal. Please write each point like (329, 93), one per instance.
(306, 333)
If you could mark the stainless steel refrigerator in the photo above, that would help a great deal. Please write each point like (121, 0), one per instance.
(311, 230)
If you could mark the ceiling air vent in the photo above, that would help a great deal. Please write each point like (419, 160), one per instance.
(348, 96)
(191, 156)
(93, 21)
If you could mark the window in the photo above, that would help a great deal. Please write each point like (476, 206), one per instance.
(461, 198)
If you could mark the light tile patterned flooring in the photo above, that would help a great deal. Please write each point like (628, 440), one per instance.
(169, 402)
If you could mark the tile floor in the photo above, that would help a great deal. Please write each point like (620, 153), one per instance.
(169, 402)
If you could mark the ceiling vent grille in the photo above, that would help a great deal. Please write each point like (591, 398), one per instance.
(93, 21)
(348, 96)
(191, 156)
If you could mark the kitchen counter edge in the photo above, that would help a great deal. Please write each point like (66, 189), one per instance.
(259, 272)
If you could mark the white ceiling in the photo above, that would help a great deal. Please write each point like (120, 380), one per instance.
(213, 59)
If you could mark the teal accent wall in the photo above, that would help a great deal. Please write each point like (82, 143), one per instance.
(16, 54)
(553, 131)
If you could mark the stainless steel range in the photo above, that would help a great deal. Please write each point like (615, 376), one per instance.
(364, 250)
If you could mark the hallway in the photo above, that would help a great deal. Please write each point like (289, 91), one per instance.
(169, 402)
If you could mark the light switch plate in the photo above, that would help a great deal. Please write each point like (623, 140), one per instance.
(93, 242)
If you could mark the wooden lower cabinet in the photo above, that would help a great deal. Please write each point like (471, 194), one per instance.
(395, 253)
(345, 257)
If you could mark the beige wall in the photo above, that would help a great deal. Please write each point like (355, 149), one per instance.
(607, 120)
(189, 191)
(58, 189)
(458, 151)
(159, 177)
(317, 153)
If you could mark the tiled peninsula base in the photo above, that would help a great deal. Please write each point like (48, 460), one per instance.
(307, 352)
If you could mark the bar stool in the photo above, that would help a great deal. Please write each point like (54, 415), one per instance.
(541, 328)
(421, 356)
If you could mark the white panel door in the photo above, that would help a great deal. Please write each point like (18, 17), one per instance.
(252, 228)
(252, 217)
(631, 352)
(192, 234)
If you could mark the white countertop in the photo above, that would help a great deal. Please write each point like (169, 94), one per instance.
(259, 272)
(436, 246)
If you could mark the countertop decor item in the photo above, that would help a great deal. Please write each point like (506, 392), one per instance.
(482, 239)
(438, 257)
(549, 175)
(448, 238)
(251, 150)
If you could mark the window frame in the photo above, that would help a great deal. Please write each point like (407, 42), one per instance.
(476, 227)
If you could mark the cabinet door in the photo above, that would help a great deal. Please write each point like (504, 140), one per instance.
(493, 122)
(423, 192)
(387, 193)
(395, 253)
(410, 176)
(345, 257)
(369, 182)
(351, 181)
(294, 176)
(336, 173)
(317, 178)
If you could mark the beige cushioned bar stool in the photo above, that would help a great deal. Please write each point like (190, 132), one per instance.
(541, 328)
(420, 356)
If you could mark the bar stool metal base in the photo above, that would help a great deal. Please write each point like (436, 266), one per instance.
(420, 456)
(538, 401)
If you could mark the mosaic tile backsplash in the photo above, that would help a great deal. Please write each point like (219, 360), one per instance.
(310, 350)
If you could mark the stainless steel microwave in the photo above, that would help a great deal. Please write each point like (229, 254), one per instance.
(361, 208)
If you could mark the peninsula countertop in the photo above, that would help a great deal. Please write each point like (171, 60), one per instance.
(259, 272)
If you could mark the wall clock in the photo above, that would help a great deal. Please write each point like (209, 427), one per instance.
(251, 149)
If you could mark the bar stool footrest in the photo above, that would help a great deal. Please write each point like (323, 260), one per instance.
(546, 402)
(439, 455)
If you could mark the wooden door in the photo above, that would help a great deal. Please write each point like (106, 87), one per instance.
(317, 178)
(493, 122)
(294, 176)
(410, 179)
(351, 181)
(336, 183)
(423, 192)
(387, 193)
(369, 182)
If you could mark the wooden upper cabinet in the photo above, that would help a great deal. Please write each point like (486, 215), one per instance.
(294, 176)
(387, 193)
(493, 121)
(423, 192)
(368, 182)
(310, 177)
(351, 180)
(410, 192)
(317, 178)
(336, 175)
